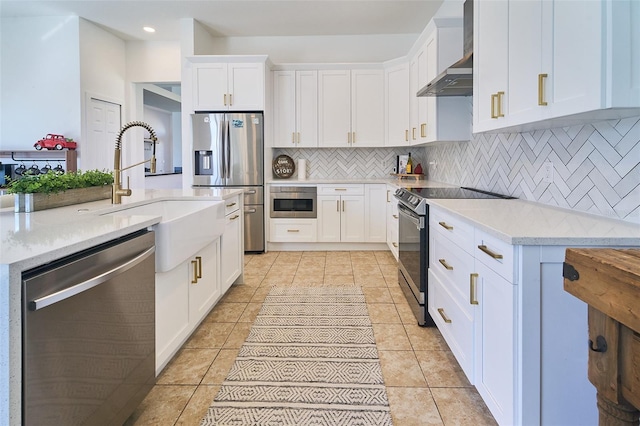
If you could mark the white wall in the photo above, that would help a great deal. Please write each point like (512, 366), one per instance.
(161, 121)
(39, 88)
(312, 49)
(153, 62)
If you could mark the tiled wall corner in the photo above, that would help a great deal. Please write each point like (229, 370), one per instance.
(349, 163)
(596, 166)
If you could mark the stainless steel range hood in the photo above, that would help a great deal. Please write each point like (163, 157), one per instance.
(456, 80)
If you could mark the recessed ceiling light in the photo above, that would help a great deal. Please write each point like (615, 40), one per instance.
(149, 29)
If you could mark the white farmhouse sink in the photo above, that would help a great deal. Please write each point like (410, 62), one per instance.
(186, 227)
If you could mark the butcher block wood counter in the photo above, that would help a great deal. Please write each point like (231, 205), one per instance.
(608, 280)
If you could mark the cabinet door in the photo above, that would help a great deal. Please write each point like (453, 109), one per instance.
(375, 220)
(204, 282)
(397, 105)
(284, 109)
(574, 57)
(367, 108)
(422, 103)
(246, 86)
(490, 66)
(352, 218)
(307, 109)
(210, 87)
(231, 251)
(334, 108)
(329, 209)
(172, 313)
(525, 56)
(495, 352)
(413, 102)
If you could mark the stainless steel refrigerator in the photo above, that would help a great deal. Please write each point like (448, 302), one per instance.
(229, 153)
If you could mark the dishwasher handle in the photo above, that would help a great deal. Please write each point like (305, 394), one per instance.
(68, 292)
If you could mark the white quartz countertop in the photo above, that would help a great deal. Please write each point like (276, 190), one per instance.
(391, 180)
(32, 239)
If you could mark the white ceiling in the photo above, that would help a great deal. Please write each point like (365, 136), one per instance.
(225, 18)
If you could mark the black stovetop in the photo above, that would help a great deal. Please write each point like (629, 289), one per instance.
(415, 198)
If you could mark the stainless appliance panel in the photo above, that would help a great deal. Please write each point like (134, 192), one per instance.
(245, 149)
(254, 228)
(89, 335)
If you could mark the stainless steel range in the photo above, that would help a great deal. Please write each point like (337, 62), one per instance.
(413, 248)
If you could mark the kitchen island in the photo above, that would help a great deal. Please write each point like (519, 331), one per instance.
(33, 239)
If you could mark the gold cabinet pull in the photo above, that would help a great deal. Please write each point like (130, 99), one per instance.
(339, 189)
(388, 200)
(298, 137)
(444, 316)
(231, 205)
(423, 130)
(395, 216)
(337, 205)
(234, 217)
(413, 133)
(293, 230)
(445, 264)
(541, 100)
(195, 271)
(293, 137)
(342, 205)
(225, 99)
(406, 135)
(199, 259)
(484, 248)
(493, 106)
(230, 99)
(500, 95)
(394, 244)
(473, 290)
(445, 226)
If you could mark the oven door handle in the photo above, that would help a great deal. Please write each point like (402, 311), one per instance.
(415, 219)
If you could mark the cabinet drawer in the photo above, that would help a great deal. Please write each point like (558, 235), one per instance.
(496, 254)
(455, 229)
(453, 322)
(293, 230)
(231, 205)
(346, 189)
(454, 267)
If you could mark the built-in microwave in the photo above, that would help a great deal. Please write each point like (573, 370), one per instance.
(293, 202)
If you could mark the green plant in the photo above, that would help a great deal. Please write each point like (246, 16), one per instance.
(52, 182)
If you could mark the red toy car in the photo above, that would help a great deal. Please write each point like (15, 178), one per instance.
(58, 142)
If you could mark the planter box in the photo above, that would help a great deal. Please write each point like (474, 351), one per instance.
(32, 202)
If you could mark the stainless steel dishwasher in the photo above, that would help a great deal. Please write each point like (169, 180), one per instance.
(88, 354)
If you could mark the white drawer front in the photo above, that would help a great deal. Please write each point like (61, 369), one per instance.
(231, 205)
(293, 230)
(457, 230)
(453, 322)
(346, 189)
(496, 254)
(454, 267)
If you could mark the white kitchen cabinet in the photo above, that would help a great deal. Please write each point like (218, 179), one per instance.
(350, 108)
(184, 295)
(222, 86)
(392, 221)
(295, 110)
(542, 64)
(231, 245)
(293, 230)
(341, 213)
(397, 109)
(375, 220)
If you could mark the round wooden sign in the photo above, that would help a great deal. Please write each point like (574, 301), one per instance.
(283, 166)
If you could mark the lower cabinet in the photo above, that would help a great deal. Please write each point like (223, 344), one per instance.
(393, 237)
(231, 250)
(184, 295)
(293, 230)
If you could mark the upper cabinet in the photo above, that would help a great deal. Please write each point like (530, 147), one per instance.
(228, 86)
(540, 64)
(396, 88)
(350, 108)
(295, 109)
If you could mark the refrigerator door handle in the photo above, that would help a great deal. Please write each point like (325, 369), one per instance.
(228, 143)
(222, 153)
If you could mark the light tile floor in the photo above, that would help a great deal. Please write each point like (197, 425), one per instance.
(424, 383)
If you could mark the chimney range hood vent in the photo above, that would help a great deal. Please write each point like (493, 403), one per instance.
(456, 80)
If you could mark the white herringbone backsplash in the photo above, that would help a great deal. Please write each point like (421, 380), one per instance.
(596, 167)
(344, 163)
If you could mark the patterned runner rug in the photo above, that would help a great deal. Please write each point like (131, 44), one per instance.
(310, 359)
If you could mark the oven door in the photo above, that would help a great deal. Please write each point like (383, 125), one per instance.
(413, 262)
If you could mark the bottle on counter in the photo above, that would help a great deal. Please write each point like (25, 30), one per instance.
(409, 168)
